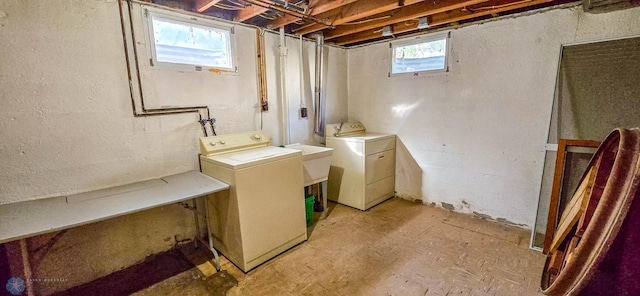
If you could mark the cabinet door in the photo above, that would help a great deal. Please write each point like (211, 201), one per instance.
(380, 165)
(379, 191)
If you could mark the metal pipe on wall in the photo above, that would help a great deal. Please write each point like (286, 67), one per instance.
(319, 104)
(303, 104)
(145, 111)
(284, 103)
(261, 73)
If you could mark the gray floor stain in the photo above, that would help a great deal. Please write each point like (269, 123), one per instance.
(448, 206)
(481, 215)
(396, 248)
(220, 283)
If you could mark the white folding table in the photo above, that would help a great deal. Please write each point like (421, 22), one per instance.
(28, 218)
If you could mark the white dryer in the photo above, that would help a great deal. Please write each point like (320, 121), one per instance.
(362, 172)
(263, 212)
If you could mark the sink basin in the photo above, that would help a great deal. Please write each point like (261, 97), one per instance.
(316, 161)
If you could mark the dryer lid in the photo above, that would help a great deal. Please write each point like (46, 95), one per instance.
(344, 129)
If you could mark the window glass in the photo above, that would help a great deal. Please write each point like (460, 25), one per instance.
(419, 56)
(190, 42)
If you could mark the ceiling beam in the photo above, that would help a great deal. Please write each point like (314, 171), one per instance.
(315, 8)
(248, 12)
(355, 11)
(440, 19)
(298, 14)
(202, 5)
(403, 14)
(320, 6)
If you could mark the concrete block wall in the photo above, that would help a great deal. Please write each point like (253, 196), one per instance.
(471, 140)
(476, 134)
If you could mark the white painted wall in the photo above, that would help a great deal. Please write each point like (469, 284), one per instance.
(65, 116)
(476, 134)
(66, 123)
(473, 134)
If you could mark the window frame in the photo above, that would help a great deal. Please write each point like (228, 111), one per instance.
(416, 40)
(149, 13)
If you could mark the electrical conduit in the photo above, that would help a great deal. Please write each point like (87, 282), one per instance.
(303, 104)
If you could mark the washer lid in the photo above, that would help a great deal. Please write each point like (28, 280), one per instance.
(233, 142)
(251, 157)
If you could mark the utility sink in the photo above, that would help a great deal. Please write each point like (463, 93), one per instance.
(316, 161)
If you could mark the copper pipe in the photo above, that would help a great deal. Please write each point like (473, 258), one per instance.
(126, 57)
(261, 75)
(137, 63)
(145, 111)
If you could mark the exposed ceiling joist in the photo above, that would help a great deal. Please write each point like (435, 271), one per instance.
(319, 6)
(354, 22)
(442, 18)
(202, 5)
(355, 11)
(402, 14)
(315, 7)
(248, 12)
(299, 14)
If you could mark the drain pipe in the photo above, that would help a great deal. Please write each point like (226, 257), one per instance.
(284, 103)
(319, 104)
(303, 104)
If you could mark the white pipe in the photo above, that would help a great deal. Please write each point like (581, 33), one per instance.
(303, 104)
(318, 102)
(284, 103)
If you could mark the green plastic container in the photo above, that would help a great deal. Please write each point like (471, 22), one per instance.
(309, 201)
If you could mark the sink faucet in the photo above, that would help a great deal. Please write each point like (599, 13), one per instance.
(338, 128)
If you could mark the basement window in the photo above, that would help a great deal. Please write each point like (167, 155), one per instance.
(183, 42)
(419, 56)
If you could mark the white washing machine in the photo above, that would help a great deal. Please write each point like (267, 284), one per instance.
(362, 172)
(263, 212)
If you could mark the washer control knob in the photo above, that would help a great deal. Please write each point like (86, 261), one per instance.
(222, 142)
(257, 136)
(212, 144)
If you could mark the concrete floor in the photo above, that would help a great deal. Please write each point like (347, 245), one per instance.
(396, 248)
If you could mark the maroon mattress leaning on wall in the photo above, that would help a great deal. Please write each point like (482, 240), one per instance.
(602, 256)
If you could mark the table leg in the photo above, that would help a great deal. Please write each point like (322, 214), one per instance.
(195, 217)
(28, 275)
(324, 200)
(213, 250)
